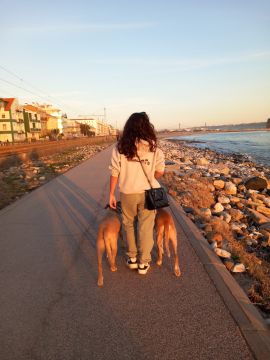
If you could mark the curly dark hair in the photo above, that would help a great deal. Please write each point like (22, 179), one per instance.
(137, 127)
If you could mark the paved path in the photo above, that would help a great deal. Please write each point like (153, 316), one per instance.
(51, 307)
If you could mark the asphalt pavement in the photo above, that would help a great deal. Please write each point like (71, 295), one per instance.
(52, 308)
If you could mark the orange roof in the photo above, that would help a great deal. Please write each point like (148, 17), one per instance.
(31, 108)
(9, 102)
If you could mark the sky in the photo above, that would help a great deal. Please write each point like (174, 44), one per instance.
(185, 63)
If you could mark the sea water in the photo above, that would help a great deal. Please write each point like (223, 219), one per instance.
(255, 144)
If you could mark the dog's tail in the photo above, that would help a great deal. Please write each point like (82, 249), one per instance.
(167, 238)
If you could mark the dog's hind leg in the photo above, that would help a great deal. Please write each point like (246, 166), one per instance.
(167, 238)
(160, 232)
(111, 250)
(173, 237)
(100, 252)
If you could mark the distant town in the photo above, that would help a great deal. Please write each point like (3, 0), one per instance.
(32, 122)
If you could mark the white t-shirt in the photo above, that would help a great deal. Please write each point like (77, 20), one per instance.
(132, 179)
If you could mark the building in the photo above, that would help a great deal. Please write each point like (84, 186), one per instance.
(99, 127)
(55, 119)
(8, 121)
(71, 128)
(32, 122)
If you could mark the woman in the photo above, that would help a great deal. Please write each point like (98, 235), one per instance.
(136, 148)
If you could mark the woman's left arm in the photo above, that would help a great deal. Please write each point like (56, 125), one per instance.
(160, 164)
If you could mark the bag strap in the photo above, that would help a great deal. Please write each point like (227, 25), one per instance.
(144, 171)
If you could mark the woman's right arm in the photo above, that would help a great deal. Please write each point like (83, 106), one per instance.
(112, 199)
(115, 171)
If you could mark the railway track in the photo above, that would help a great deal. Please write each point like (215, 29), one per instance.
(24, 151)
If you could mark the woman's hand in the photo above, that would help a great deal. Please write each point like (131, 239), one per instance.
(112, 201)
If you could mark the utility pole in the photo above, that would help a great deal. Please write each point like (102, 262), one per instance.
(104, 114)
(179, 125)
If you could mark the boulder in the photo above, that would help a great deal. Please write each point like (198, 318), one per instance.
(256, 183)
(229, 263)
(237, 180)
(219, 184)
(238, 268)
(213, 245)
(234, 199)
(202, 161)
(218, 207)
(222, 253)
(214, 237)
(227, 217)
(223, 200)
(230, 188)
(236, 214)
(205, 212)
(258, 217)
(265, 226)
(266, 201)
(263, 210)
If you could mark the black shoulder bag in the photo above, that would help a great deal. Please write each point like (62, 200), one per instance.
(155, 198)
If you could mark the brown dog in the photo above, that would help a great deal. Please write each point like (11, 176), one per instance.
(107, 237)
(164, 223)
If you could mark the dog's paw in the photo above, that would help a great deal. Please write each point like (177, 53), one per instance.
(177, 272)
(159, 262)
(100, 281)
(113, 268)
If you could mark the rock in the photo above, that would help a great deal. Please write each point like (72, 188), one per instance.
(256, 183)
(202, 161)
(208, 228)
(229, 263)
(222, 253)
(213, 245)
(214, 237)
(220, 169)
(42, 178)
(188, 209)
(205, 212)
(169, 162)
(238, 268)
(266, 201)
(223, 199)
(236, 228)
(237, 181)
(263, 210)
(234, 199)
(218, 207)
(227, 217)
(172, 192)
(266, 236)
(230, 188)
(258, 217)
(236, 214)
(265, 226)
(219, 184)
(242, 187)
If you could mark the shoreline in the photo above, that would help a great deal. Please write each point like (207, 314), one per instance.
(219, 147)
(217, 194)
(190, 133)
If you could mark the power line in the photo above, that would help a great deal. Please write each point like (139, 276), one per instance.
(47, 97)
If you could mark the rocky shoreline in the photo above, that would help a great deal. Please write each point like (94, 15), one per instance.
(228, 197)
(25, 176)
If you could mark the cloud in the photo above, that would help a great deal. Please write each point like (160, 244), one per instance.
(183, 64)
(64, 28)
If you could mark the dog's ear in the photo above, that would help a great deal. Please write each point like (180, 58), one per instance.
(107, 206)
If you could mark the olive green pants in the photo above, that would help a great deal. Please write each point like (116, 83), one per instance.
(139, 244)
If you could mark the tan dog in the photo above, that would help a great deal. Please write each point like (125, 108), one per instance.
(107, 237)
(164, 223)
